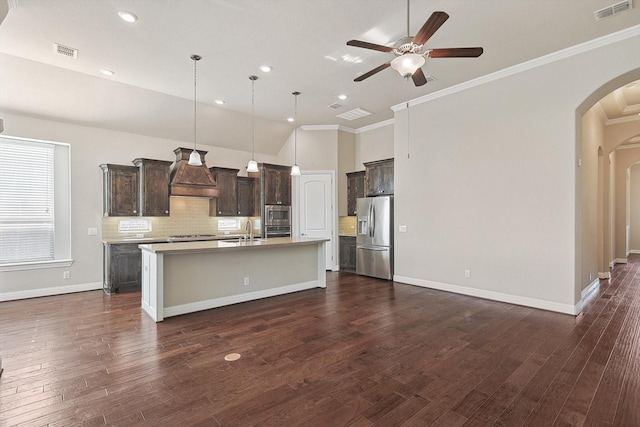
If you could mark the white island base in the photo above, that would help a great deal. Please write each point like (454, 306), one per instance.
(180, 278)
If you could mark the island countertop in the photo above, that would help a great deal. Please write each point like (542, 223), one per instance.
(225, 245)
(183, 277)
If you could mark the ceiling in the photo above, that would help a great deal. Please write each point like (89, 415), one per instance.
(304, 41)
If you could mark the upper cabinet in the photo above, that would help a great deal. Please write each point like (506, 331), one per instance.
(246, 196)
(120, 190)
(275, 181)
(379, 177)
(154, 186)
(355, 190)
(227, 202)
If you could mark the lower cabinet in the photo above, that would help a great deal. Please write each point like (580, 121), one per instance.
(122, 268)
(348, 253)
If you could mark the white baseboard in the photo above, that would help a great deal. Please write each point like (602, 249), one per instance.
(634, 251)
(620, 261)
(491, 295)
(45, 292)
(604, 275)
(177, 310)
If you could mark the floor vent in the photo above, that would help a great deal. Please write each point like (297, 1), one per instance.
(354, 114)
(65, 50)
(614, 9)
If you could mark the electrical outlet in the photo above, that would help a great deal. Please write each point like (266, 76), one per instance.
(402, 228)
(66, 275)
(467, 274)
(92, 231)
(246, 281)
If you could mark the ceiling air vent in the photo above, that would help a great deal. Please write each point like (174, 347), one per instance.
(335, 105)
(354, 114)
(612, 10)
(65, 50)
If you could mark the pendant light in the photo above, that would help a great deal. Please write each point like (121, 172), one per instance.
(295, 169)
(252, 166)
(194, 157)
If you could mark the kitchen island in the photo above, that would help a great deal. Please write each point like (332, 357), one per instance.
(180, 278)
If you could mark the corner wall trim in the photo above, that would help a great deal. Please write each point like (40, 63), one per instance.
(45, 292)
(608, 39)
(605, 275)
(491, 295)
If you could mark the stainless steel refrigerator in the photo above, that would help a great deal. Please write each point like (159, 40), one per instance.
(374, 238)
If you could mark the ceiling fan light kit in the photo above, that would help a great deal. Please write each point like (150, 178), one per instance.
(407, 64)
(409, 53)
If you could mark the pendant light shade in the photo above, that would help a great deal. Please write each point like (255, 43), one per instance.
(295, 169)
(252, 166)
(194, 157)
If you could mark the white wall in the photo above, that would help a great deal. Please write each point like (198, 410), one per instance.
(634, 208)
(89, 148)
(374, 144)
(491, 186)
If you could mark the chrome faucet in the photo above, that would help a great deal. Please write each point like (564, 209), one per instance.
(248, 229)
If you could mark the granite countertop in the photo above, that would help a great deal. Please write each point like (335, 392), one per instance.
(145, 240)
(213, 245)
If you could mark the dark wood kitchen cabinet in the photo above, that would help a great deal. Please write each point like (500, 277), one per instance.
(122, 268)
(227, 202)
(276, 184)
(246, 196)
(379, 177)
(154, 186)
(347, 253)
(120, 190)
(355, 190)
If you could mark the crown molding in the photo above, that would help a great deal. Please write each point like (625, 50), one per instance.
(625, 34)
(328, 127)
(622, 120)
(381, 124)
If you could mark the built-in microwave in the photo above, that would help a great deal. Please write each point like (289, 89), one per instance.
(277, 215)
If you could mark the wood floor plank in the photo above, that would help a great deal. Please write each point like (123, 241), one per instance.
(362, 352)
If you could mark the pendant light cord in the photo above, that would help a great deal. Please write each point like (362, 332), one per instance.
(195, 101)
(253, 115)
(295, 132)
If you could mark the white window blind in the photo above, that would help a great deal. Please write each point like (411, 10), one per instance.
(26, 202)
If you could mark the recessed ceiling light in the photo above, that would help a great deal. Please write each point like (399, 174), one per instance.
(342, 96)
(127, 16)
(290, 119)
(107, 72)
(219, 101)
(265, 68)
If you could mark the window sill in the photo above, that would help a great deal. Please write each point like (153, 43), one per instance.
(36, 265)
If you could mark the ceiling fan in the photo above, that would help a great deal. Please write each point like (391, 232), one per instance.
(410, 53)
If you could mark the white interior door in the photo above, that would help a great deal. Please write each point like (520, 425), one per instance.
(316, 219)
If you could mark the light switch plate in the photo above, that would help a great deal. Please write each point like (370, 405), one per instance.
(402, 228)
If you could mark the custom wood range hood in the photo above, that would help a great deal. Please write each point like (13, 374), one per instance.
(191, 181)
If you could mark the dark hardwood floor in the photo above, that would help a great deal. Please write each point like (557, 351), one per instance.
(362, 352)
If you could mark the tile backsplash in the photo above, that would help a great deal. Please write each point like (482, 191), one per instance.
(189, 215)
(347, 225)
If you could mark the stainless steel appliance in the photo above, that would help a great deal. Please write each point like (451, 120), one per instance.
(374, 238)
(277, 221)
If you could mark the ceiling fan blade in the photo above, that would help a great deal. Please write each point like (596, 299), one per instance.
(434, 22)
(418, 77)
(372, 72)
(367, 45)
(456, 52)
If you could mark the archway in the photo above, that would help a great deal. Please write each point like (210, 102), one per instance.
(597, 210)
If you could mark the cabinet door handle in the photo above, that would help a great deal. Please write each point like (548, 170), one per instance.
(166, 212)
(135, 211)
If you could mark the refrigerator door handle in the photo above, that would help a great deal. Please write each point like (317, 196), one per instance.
(373, 220)
(373, 249)
(369, 220)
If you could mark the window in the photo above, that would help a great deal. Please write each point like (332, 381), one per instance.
(34, 203)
